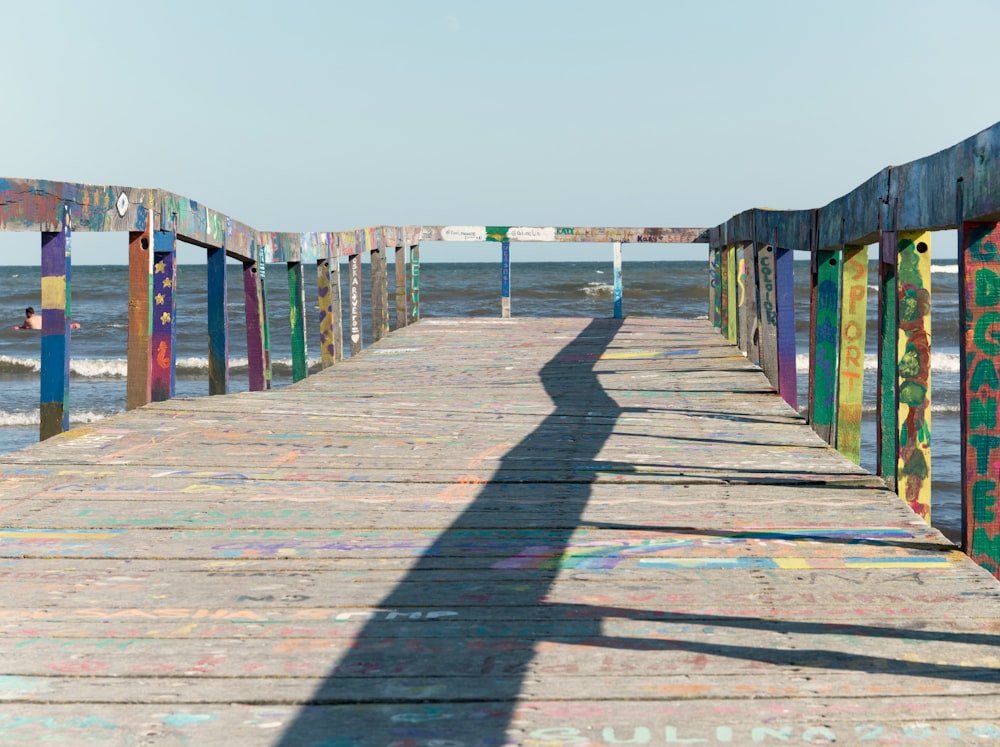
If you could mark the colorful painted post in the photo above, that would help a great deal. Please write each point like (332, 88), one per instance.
(297, 321)
(252, 303)
(751, 322)
(324, 288)
(138, 385)
(741, 298)
(732, 315)
(399, 266)
(724, 290)
(888, 335)
(164, 336)
(784, 271)
(505, 280)
(913, 283)
(56, 319)
(380, 294)
(853, 319)
(218, 322)
(823, 322)
(616, 253)
(354, 284)
(979, 317)
(414, 283)
(768, 312)
(715, 286)
(265, 324)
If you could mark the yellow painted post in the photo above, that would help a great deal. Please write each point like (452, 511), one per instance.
(853, 320)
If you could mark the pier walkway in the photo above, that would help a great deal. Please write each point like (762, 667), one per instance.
(485, 532)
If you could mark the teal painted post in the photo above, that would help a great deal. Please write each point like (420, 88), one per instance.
(297, 321)
(616, 254)
(56, 319)
(888, 344)
(218, 322)
(164, 337)
(414, 283)
(825, 332)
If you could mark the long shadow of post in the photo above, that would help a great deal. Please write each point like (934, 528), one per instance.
(499, 597)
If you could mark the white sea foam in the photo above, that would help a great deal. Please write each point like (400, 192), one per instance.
(32, 417)
(942, 362)
(945, 269)
(598, 290)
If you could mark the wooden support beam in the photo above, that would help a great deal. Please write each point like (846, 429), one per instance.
(218, 322)
(328, 315)
(888, 335)
(380, 294)
(823, 323)
(732, 314)
(265, 321)
(784, 271)
(913, 281)
(138, 383)
(741, 298)
(616, 253)
(853, 326)
(56, 319)
(414, 283)
(751, 303)
(979, 317)
(354, 285)
(505, 280)
(297, 321)
(768, 312)
(253, 307)
(164, 337)
(399, 266)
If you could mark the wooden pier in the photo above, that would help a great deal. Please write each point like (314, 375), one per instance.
(485, 532)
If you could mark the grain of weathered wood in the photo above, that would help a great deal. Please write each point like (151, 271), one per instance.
(507, 532)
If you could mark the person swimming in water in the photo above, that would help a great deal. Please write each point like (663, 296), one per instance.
(31, 319)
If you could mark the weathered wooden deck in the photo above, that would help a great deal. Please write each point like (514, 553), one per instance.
(484, 532)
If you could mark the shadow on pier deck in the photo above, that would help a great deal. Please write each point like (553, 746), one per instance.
(533, 532)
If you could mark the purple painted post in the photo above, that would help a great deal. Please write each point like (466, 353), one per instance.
(785, 302)
(163, 370)
(255, 329)
(54, 399)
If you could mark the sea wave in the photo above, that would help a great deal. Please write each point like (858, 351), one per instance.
(32, 417)
(598, 290)
(117, 368)
(945, 269)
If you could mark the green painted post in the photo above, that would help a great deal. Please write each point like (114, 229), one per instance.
(888, 335)
(297, 321)
(825, 298)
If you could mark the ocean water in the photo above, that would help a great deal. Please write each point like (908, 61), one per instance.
(664, 289)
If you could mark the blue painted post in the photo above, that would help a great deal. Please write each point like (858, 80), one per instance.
(56, 315)
(616, 252)
(218, 323)
(784, 279)
(164, 337)
(505, 280)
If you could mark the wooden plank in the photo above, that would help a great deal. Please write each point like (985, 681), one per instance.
(138, 386)
(588, 234)
(505, 280)
(914, 370)
(851, 368)
(55, 333)
(824, 335)
(354, 300)
(218, 322)
(297, 321)
(888, 335)
(401, 294)
(979, 297)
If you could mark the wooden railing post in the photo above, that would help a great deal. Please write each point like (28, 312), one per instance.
(399, 268)
(56, 317)
(715, 294)
(218, 322)
(297, 321)
(751, 303)
(505, 280)
(888, 335)
(732, 317)
(328, 297)
(853, 326)
(767, 293)
(354, 286)
(979, 319)
(823, 337)
(784, 271)
(616, 253)
(380, 293)
(164, 337)
(913, 280)
(253, 297)
(414, 283)
(138, 386)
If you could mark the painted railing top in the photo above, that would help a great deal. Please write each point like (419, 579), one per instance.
(960, 183)
(37, 205)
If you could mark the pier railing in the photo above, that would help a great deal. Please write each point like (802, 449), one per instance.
(751, 300)
(897, 209)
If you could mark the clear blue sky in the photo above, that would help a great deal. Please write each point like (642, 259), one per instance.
(331, 115)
